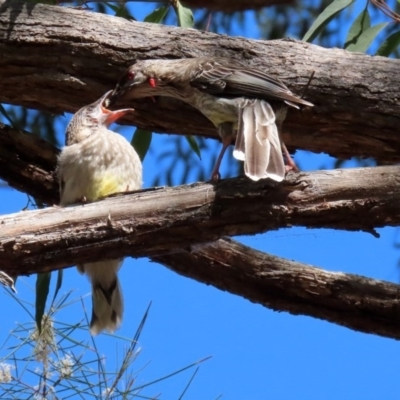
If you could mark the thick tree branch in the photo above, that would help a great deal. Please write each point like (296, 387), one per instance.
(28, 164)
(362, 304)
(48, 62)
(358, 303)
(161, 220)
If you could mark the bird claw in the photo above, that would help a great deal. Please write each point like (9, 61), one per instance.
(291, 167)
(215, 176)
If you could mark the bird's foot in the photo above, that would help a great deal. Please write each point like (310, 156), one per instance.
(291, 165)
(215, 175)
(291, 168)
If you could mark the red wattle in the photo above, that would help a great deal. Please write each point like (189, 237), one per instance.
(152, 82)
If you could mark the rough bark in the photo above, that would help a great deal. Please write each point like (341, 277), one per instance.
(162, 220)
(47, 55)
(362, 304)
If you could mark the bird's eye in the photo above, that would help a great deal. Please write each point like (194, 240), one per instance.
(130, 75)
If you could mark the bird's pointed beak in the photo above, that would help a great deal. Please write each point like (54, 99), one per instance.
(109, 116)
(120, 90)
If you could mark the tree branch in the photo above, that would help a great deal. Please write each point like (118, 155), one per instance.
(359, 303)
(161, 220)
(362, 304)
(28, 164)
(46, 55)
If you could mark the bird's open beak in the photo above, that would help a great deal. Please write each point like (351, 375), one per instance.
(112, 116)
(109, 116)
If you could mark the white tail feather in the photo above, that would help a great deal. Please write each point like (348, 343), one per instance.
(107, 299)
(258, 142)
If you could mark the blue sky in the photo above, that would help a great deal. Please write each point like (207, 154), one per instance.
(256, 353)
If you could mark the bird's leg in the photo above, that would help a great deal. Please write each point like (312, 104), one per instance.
(291, 165)
(280, 114)
(226, 133)
(215, 175)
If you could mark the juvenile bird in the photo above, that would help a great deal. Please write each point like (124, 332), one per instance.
(95, 163)
(236, 98)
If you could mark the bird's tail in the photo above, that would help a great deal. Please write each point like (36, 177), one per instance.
(107, 301)
(258, 143)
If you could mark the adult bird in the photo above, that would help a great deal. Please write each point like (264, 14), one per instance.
(95, 163)
(238, 99)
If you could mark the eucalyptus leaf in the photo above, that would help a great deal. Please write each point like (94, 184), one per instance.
(390, 44)
(141, 142)
(42, 291)
(60, 274)
(185, 16)
(325, 17)
(360, 25)
(193, 145)
(158, 15)
(121, 11)
(366, 38)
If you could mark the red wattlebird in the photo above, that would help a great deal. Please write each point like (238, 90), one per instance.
(95, 163)
(239, 100)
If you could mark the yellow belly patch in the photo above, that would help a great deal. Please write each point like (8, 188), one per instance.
(103, 187)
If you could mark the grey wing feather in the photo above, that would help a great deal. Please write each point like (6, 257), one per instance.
(238, 80)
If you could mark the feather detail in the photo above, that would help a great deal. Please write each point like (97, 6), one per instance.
(237, 80)
(258, 141)
(95, 163)
(107, 303)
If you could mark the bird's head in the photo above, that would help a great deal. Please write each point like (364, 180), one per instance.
(140, 78)
(97, 113)
(91, 117)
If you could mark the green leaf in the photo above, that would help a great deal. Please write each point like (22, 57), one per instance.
(42, 291)
(185, 16)
(366, 38)
(361, 24)
(389, 45)
(121, 11)
(141, 142)
(58, 284)
(325, 17)
(193, 145)
(158, 15)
